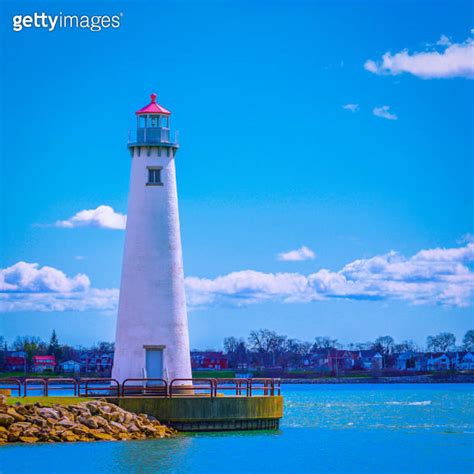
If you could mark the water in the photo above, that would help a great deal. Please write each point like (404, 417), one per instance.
(326, 428)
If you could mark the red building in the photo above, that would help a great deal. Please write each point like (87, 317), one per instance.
(44, 363)
(15, 361)
(209, 360)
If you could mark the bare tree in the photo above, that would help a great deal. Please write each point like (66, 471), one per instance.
(324, 342)
(406, 346)
(360, 346)
(296, 351)
(267, 344)
(230, 344)
(443, 342)
(384, 344)
(468, 340)
(102, 347)
(236, 351)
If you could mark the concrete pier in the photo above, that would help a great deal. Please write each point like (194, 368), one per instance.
(209, 413)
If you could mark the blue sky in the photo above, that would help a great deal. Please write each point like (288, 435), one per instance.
(270, 161)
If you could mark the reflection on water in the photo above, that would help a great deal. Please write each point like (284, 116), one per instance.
(330, 428)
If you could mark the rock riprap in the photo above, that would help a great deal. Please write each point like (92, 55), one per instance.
(95, 420)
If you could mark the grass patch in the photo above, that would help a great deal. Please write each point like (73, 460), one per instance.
(15, 375)
(47, 401)
(214, 374)
(30, 375)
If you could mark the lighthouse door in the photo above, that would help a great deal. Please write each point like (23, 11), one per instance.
(154, 363)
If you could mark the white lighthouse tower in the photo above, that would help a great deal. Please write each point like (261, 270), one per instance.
(152, 338)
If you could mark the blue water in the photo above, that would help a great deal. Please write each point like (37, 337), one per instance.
(326, 428)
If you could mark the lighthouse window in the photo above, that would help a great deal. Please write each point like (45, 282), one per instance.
(154, 176)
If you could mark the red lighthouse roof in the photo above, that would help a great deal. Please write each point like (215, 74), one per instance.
(153, 108)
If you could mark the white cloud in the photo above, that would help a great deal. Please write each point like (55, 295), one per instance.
(466, 238)
(435, 276)
(455, 60)
(443, 41)
(102, 300)
(298, 255)
(102, 216)
(244, 287)
(29, 287)
(29, 277)
(384, 112)
(430, 277)
(351, 107)
(460, 255)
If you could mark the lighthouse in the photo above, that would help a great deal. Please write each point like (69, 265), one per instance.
(152, 339)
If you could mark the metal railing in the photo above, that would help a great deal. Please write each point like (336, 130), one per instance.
(145, 387)
(109, 387)
(153, 136)
(192, 387)
(99, 387)
(268, 387)
(7, 384)
(35, 385)
(239, 386)
(51, 384)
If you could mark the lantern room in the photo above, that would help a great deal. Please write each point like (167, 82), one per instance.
(153, 123)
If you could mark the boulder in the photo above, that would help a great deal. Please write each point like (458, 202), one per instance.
(48, 412)
(32, 431)
(80, 430)
(118, 426)
(133, 428)
(127, 418)
(21, 409)
(89, 422)
(21, 425)
(102, 436)
(66, 422)
(14, 434)
(6, 420)
(28, 439)
(114, 416)
(17, 416)
(92, 407)
(101, 422)
(68, 436)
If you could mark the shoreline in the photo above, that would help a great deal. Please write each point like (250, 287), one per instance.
(406, 379)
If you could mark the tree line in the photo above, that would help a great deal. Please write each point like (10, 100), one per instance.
(33, 346)
(263, 347)
(267, 348)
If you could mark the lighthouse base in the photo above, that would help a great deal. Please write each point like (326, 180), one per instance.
(209, 414)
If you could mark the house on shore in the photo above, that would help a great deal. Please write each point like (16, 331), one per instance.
(208, 360)
(70, 367)
(369, 360)
(466, 361)
(440, 361)
(99, 363)
(15, 361)
(46, 363)
(411, 360)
